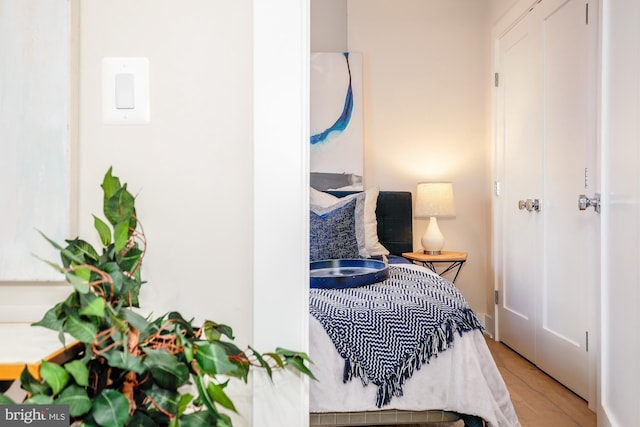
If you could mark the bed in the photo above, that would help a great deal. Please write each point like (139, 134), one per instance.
(454, 381)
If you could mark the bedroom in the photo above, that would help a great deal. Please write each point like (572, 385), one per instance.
(184, 123)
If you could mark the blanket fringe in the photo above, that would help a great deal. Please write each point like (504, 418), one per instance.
(437, 342)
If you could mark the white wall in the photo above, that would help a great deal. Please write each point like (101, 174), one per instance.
(620, 299)
(191, 167)
(425, 114)
(328, 26)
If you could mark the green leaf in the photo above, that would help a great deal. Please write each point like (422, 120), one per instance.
(288, 354)
(103, 230)
(52, 242)
(218, 395)
(130, 290)
(120, 207)
(51, 319)
(140, 419)
(84, 273)
(166, 369)
(223, 421)
(77, 399)
(298, 363)
(78, 371)
(292, 353)
(213, 359)
(187, 347)
(214, 331)
(203, 396)
(6, 400)
(199, 419)
(51, 264)
(178, 320)
(130, 258)
(94, 308)
(110, 409)
(54, 375)
(121, 235)
(32, 385)
(166, 399)
(39, 399)
(276, 357)
(82, 331)
(79, 283)
(134, 319)
(125, 360)
(113, 269)
(110, 185)
(263, 363)
(183, 403)
(80, 249)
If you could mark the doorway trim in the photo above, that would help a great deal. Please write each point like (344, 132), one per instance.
(281, 169)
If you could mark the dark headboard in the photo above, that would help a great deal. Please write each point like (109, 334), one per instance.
(395, 219)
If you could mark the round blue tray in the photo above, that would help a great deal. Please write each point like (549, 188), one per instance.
(346, 273)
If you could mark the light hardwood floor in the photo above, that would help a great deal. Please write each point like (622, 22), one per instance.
(538, 399)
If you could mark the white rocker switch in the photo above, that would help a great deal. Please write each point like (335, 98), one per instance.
(125, 91)
(125, 88)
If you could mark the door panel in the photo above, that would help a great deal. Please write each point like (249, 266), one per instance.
(547, 138)
(520, 92)
(570, 235)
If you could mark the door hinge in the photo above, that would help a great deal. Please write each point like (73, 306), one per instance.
(586, 341)
(495, 297)
(586, 14)
(496, 188)
(496, 79)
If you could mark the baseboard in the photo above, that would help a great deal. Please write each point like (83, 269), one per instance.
(488, 324)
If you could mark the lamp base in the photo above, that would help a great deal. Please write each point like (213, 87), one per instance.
(426, 252)
(432, 240)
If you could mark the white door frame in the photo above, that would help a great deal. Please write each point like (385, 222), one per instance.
(620, 153)
(281, 203)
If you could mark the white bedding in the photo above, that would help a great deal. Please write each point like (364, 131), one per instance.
(462, 379)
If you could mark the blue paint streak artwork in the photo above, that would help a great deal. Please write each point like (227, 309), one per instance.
(345, 117)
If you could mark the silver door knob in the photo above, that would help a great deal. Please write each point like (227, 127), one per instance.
(584, 202)
(532, 205)
(529, 204)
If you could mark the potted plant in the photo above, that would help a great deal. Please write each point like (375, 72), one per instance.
(133, 370)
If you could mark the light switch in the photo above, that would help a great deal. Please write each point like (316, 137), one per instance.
(124, 91)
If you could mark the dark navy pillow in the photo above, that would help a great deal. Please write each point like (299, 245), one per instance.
(332, 234)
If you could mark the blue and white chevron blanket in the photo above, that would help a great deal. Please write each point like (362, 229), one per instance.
(386, 330)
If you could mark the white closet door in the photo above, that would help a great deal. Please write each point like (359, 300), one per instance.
(549, 263)
(520, 133)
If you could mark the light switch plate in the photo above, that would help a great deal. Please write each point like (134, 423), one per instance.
(125, 91)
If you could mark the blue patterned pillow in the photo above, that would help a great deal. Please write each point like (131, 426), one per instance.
(332, 234)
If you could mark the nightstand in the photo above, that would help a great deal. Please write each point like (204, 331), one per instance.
(452, 258)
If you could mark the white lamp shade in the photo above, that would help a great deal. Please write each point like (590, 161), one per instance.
(434, 200)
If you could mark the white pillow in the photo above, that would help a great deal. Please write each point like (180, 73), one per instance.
(373, 245)
(366, 222)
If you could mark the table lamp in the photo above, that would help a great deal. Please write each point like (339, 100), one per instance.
(434, 200)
